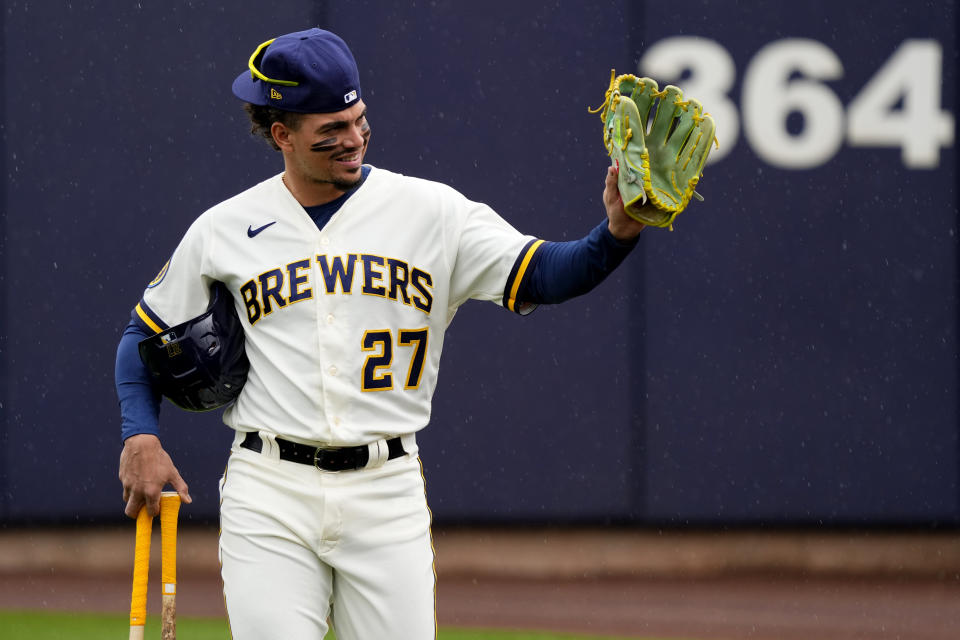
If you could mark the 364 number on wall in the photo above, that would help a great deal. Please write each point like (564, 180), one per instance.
(899, 106)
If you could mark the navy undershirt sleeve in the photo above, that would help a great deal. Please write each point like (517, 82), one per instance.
(139, 402)
(564, 270)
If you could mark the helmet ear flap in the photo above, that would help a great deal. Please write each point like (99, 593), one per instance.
(200, 364)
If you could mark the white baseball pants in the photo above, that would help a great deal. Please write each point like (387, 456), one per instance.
(302, 548)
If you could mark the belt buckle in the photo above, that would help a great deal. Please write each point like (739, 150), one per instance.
(317, 455)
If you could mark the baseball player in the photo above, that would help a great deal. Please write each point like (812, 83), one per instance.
(344, 277)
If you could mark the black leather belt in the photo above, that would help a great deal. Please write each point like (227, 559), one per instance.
(327, 459)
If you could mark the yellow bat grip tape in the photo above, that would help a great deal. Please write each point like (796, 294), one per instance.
(169, 511)
(141, 569)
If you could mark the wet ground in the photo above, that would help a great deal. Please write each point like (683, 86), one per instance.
(497, 585)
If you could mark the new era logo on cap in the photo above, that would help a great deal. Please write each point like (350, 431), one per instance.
(350, 97)
(275, 95)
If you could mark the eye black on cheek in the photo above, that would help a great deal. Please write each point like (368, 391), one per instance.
(324, 145)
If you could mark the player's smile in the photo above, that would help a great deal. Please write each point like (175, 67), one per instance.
(351, 161)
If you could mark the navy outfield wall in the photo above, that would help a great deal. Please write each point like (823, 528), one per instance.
(787, 356)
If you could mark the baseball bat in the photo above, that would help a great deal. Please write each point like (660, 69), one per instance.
(169, 511)
(141, 571)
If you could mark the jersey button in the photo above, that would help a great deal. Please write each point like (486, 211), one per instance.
(332, 370)
(324, 241)
(329, 318)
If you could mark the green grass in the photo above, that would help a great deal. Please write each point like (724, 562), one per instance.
(35, 625)
(43, 625)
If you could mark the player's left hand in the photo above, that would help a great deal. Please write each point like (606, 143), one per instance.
(622, 226)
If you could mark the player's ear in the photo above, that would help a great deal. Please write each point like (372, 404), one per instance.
(281, 135)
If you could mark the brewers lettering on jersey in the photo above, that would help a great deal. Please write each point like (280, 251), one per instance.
(343, 278)
(390, 278)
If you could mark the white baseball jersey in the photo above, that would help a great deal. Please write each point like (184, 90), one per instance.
(344, 325)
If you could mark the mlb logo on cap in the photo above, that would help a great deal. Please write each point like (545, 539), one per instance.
(309, 71)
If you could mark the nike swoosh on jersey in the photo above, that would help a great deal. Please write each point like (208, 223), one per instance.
(251, 232)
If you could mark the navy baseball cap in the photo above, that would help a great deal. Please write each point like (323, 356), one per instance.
(309, 71)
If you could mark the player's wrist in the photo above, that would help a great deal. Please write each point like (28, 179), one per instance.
(625, 232)
(140, 440)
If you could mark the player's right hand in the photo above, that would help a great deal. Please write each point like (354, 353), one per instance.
(145, 469)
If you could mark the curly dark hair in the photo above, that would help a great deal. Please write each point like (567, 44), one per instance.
(263, 117)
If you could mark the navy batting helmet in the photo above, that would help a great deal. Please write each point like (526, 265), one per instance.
(200, 364)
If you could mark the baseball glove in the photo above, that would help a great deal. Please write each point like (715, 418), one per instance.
(659, 143)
